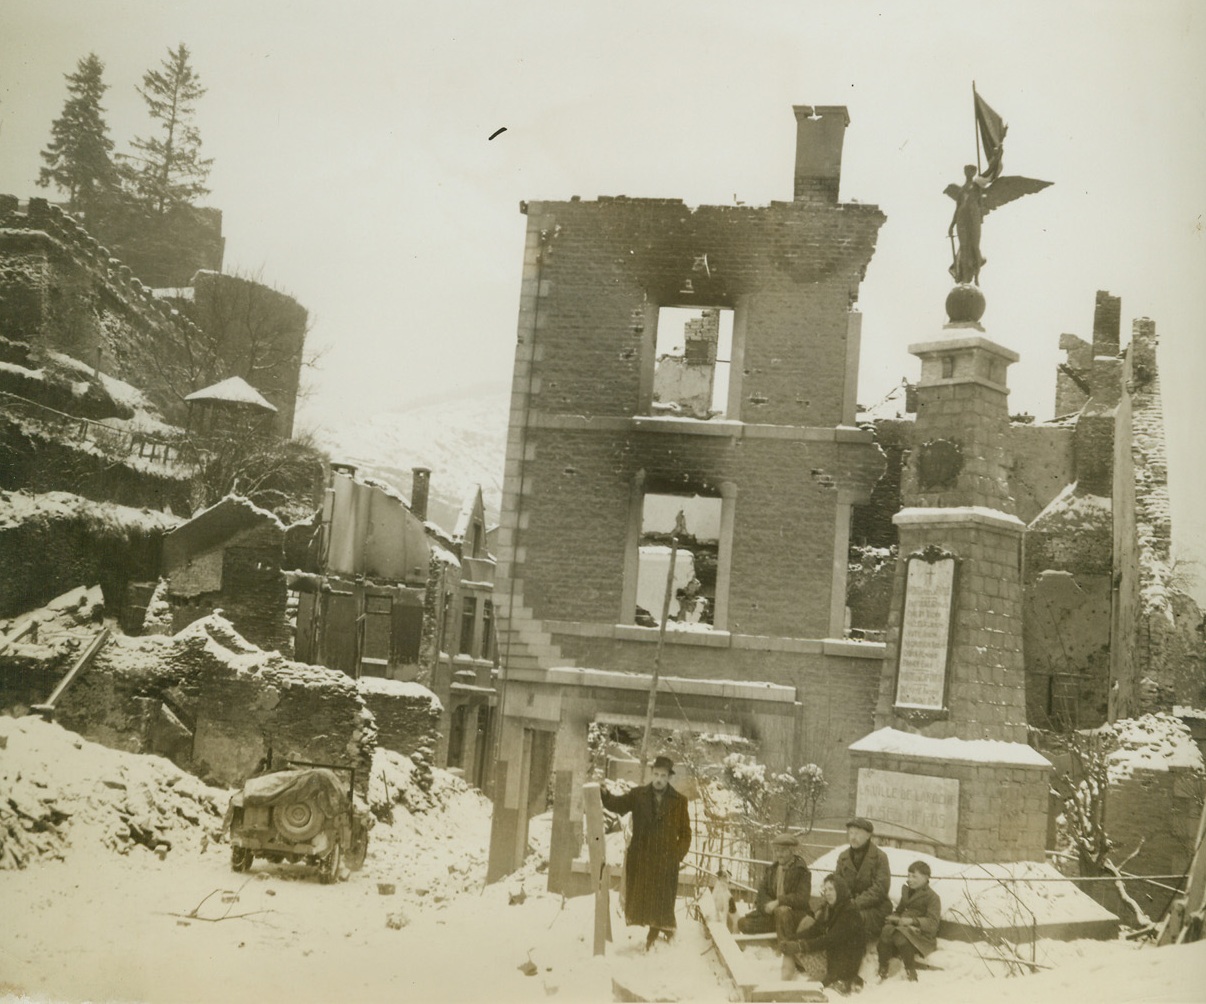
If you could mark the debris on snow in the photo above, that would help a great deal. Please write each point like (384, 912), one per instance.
(61, 791)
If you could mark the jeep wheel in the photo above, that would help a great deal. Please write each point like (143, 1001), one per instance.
(298, 821)
(241, 858)
(329, 868)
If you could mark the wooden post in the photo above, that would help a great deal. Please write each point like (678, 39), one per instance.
(680, 527)
(47, 710)
(600, 874)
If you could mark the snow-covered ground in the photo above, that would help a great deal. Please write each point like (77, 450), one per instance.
(96, 915)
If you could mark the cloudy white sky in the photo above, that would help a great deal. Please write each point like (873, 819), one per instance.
(353, 165)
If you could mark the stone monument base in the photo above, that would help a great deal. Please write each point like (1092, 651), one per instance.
(977, 800)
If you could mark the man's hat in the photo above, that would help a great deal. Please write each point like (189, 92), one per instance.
(862, 824)
(786, 840)
(664, 762)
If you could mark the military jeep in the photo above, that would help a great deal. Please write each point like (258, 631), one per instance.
(304, 813)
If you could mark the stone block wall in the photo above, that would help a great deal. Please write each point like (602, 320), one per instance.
(1002, 807)
(973, 422)
(985, 692)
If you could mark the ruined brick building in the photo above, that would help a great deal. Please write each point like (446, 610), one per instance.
(685, 384)
(766, 474)
(389, 596)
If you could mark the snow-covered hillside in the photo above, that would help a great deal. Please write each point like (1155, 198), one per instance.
(462, 440)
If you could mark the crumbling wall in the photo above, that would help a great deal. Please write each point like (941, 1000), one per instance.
(407, 714)
(1067, 590)
(1158, 658)
(239, 703)
(1044, 464)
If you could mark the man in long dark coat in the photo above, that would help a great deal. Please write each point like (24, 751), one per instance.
(661, 837)
(867, 873)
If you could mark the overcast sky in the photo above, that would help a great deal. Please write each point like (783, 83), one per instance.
(354, 169)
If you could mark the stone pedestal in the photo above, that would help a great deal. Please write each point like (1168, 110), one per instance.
(949, 767)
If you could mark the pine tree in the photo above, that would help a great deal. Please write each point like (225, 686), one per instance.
(169, 171)
(77, 157)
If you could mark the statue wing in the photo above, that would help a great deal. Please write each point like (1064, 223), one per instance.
(1008, 188)
(952, 190)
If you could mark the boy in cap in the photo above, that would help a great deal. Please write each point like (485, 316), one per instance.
(912, 929)
(661, 837)
(784, 894)
(866, 871)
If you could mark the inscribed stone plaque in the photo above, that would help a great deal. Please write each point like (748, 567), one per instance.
(925, 632)
(910, 806)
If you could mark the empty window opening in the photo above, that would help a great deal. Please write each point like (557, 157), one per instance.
(468, 623)
(695, 548)
(691, 361)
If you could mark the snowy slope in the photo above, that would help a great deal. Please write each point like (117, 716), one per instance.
(462, 440)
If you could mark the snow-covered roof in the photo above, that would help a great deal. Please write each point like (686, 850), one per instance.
(232, 390)
(967, 750)
(210, 527)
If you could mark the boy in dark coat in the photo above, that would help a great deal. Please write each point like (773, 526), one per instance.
(912, 930)
(661, 837)
(867, 873)
(838, 933)
(784, 894)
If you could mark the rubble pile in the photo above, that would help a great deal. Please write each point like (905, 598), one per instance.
(59, 792)
(436, 836)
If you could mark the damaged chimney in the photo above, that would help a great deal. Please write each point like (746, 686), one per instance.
(820, 130)
(418, 491)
